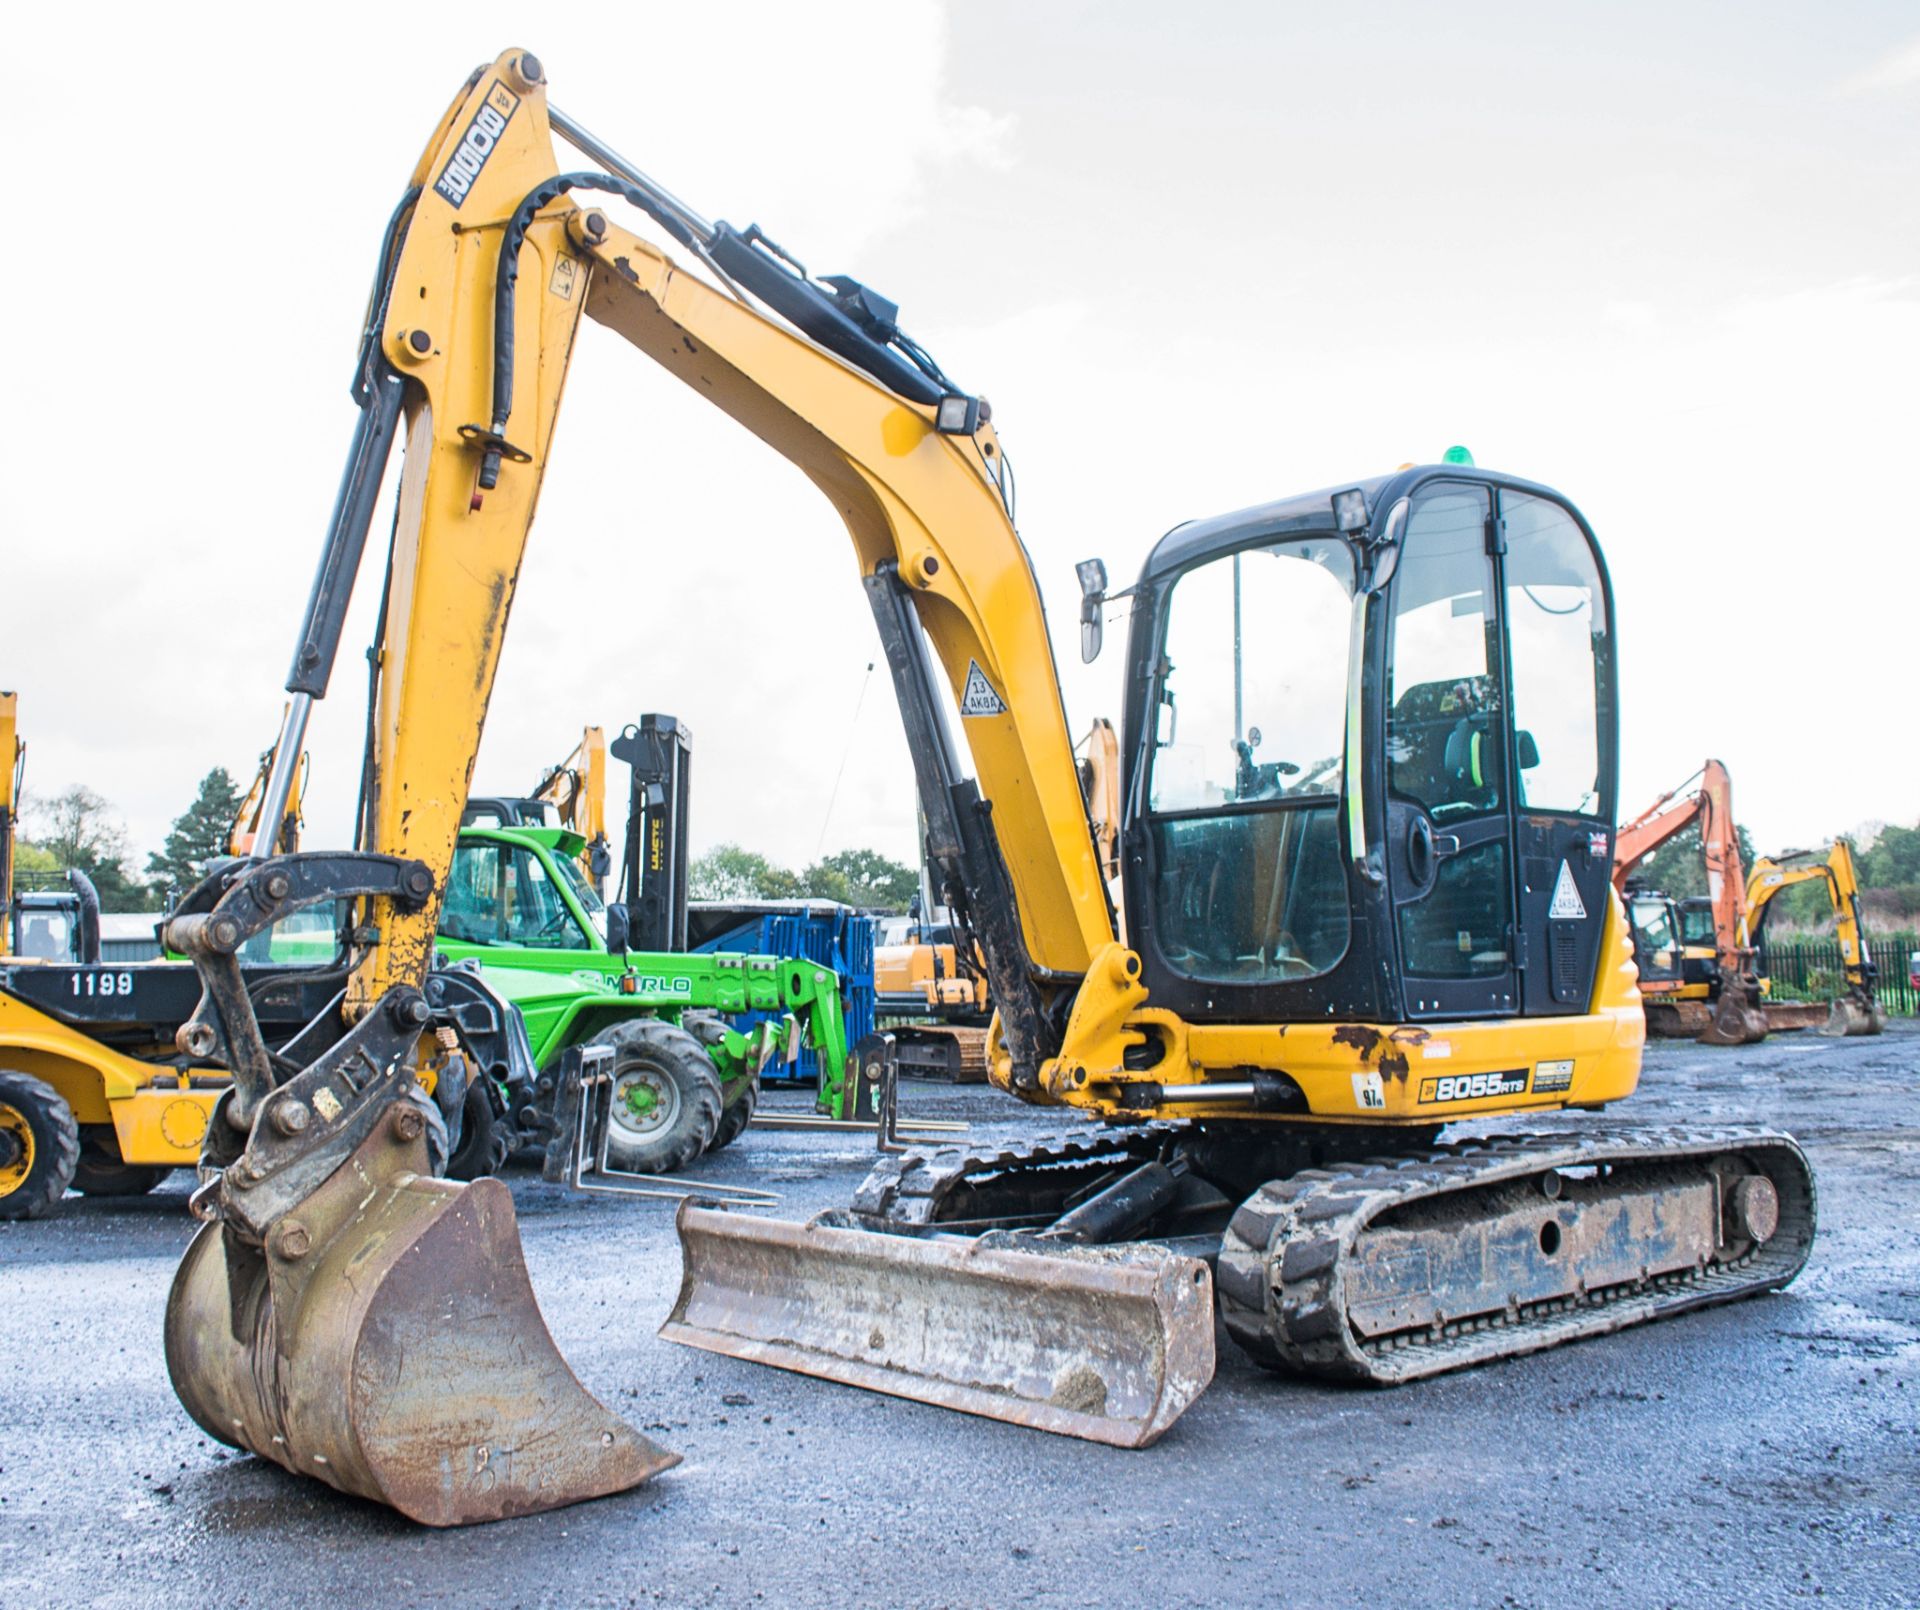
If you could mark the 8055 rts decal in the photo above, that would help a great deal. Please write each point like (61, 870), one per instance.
(1474, 1086)
(477, 144)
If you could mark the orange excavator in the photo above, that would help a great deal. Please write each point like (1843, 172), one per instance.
(1714, 1000)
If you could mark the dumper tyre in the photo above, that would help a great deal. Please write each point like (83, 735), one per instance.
(666, 1096)
(101, 1172)
(739, 1096)
(39, 1146)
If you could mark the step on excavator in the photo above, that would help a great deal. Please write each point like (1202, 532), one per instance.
(1858, 1011)
(1367, 820)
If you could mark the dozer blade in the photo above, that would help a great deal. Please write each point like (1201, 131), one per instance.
(1106, 1343)
(386, 1340)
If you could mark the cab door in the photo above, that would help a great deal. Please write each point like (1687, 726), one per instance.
(1449, 809)
(1499, 754)
(1560, 674)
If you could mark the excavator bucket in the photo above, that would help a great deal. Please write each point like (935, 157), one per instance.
(1106, 1343)
(386, 1340)
(1735, 1021)
(1850, 1016)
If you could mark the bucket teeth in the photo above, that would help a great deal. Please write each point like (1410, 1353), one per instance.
(1106, 1343)
(388, 1342)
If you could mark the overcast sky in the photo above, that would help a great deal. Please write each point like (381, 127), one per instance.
(1665, 258)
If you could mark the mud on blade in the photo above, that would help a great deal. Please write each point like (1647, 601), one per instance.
(1106, 1343)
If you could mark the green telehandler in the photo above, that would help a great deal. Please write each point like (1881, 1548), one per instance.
(521, 913)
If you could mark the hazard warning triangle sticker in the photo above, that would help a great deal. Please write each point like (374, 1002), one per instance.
(978, 697)
(1566, 905)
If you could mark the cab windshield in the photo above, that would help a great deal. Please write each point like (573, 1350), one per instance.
(1247, 767)
(583, 893)
(1653, 925)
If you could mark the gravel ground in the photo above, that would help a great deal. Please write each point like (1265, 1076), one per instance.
(1766, 1453)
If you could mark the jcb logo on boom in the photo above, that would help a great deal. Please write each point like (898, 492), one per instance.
(477, 144)
(1474, 1086)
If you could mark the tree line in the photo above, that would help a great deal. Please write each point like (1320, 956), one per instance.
(77, 828)
(863, 878)
(1889, 870)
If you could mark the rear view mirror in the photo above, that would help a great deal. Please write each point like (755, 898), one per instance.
(1526, 749)
(619, 930)
(1093, 598)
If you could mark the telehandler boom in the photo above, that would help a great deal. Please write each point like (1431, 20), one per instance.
(1367, 818)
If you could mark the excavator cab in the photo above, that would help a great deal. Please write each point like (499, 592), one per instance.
(1657, 945)
(56, 919)
(1372, 751)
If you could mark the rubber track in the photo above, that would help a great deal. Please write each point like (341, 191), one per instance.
(1280, 1280)
(911, 1187)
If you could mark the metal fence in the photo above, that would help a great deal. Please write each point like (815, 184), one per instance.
(1812, 970)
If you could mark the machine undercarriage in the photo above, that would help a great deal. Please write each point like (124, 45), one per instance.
(1343, 1253)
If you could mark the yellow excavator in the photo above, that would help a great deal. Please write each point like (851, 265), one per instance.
(1859, 1010)
(1366, 821)
(244, 833)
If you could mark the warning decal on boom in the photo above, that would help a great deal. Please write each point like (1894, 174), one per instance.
(978, 697)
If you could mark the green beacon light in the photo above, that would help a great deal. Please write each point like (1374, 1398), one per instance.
(1457, 455)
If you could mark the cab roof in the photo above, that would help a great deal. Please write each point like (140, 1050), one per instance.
(1311, 513)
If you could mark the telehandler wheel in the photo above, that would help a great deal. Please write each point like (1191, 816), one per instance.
(39, 1146)
(100, 1172)
(737, 1115)
(740, 1095)
(666, 1096)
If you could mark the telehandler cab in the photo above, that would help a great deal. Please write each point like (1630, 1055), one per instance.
(1367, 816)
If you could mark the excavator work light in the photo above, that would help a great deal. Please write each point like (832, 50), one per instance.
(957, 416)
(1350, 510)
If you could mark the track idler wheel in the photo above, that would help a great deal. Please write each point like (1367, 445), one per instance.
(385, 1339)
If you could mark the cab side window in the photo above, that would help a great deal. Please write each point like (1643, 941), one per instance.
(472, 910)
(499, 895)
(1444, 718)
(537, 915)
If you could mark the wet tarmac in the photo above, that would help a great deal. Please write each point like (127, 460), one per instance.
(1765, 1453)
